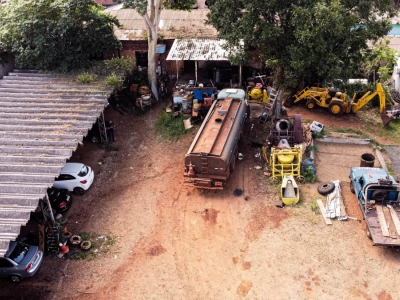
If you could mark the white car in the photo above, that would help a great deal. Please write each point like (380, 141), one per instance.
(75, 177)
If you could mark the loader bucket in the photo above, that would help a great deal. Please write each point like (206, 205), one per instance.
(386, 118)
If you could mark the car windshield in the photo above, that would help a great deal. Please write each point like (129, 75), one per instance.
(19, 252)
(83, 172)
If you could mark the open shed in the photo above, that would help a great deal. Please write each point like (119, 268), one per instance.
(43, 118)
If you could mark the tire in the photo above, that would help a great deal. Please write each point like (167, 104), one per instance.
(325, 188)
(15, 278)
(79, 191)
(379, 195)
(336, 108)
(86, 245)
(352, 187)
(310, 104)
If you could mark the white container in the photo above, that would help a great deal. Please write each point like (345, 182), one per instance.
(316, 126)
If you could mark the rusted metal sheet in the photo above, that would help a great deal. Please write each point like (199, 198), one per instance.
(198, 49)
(214, 135)
(43, 118)
(173, 24)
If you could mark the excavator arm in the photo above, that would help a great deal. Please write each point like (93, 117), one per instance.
(357, 104)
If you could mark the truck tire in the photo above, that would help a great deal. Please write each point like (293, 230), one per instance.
(325, 188)
(310, 104)
(379, 195)
(352, 187)
(336, 108)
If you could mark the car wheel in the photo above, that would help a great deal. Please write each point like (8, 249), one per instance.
(352, 187)
(15, 278)
(79, 191)
(325, 188)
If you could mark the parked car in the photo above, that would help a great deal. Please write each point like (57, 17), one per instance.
(60, 199)
(20, 261)
(75, 177)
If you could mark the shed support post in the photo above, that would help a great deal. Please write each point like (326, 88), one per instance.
(195, 68)
(102, 128)
(240, 76)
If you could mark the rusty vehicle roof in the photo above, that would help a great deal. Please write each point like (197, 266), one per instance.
(215, 132)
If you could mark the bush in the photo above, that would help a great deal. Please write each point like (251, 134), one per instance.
(170, 128)
(114, 81)
(86, 78)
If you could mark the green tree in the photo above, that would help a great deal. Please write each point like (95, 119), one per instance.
(150, 10)
(56, 34)
(312, 40)
(380, 58)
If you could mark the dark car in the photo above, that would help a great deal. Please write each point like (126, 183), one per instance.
(60, 199)
(20, 261)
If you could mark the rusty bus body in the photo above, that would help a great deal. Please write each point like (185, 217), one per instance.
(212, 155)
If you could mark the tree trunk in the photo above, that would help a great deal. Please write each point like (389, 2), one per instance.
(152, 19)
(151, 70)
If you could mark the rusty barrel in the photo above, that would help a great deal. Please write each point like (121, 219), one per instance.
(367, 160)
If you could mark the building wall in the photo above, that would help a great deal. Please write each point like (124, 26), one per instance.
(396, 76)
(129, 49)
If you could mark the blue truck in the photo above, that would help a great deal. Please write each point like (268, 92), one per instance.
(378, 195)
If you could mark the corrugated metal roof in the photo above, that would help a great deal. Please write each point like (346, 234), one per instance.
(198, 49)
(43, 117)
(173, 24)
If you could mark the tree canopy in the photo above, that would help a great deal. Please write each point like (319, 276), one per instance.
(56, 34)
(311, 40)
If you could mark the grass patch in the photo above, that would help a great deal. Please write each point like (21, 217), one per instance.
(170, 128)
(309, 174)
(101, 244)
(86, 78)
(314, 206)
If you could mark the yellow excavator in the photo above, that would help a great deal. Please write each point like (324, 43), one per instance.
(339, 103)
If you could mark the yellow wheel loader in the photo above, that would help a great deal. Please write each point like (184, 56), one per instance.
(339, 103)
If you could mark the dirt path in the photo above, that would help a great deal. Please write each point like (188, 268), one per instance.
(176, 242)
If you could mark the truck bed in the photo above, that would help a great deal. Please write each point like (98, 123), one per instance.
(379, 217)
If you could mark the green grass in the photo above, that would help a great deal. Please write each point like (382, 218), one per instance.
(170, 128)
(101, 244)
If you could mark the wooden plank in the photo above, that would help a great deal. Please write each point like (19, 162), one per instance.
(342, 207)
(382, 221)
(323, 212)
(381, 159)
(345, 141)
(389, 221)
(395, 219)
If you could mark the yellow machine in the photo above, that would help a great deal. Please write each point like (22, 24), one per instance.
(339, 103)
(290, 193)
(257, 94)
(285, 161)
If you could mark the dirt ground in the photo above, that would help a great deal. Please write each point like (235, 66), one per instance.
(176, 242)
